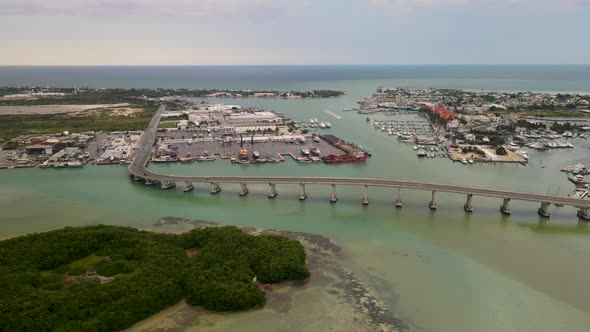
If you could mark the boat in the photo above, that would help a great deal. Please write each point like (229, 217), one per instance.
(305, 152)
(206, 157)
(74, 164)
(328, 124)
(470, 161)
(421, 153)
(150, 182)
(322, 125)
(415, 147)
(44, 165)
(463, 160)
(345, 158)
(315, 151)
(243, 154)
(316, 139)
(255, 154)
(188, 187)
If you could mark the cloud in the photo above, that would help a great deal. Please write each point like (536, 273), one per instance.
(397, 6)
(187, 8)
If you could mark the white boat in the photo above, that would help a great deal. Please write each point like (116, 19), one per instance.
(256, 154)
(74, 164)
(316, 139)
(322, 125)
(421, 153)
(305, 152)
(470, 161)
(415, 147)
(315, 151)
(328, 124)
(463, 160)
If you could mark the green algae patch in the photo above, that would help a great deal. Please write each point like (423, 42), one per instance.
(108, 277)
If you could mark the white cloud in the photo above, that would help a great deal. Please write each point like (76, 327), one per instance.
(189, 8)
(397, 6)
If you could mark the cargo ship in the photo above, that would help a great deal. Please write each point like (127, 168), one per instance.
(352, 153)
(345, 158)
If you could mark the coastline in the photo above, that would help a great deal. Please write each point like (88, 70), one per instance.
(346, 303)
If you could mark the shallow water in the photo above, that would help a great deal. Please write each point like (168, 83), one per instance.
(438, 271)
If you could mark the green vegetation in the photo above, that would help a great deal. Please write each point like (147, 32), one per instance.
(56, 280)
(167, 125)
(472, 149)
(16, 125)
(560, 128)
(86, 96)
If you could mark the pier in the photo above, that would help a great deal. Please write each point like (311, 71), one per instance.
(138, 170)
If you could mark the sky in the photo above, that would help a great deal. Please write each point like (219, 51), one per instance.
(298, 32)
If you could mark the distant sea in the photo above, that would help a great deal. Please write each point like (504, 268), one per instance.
(551, 78)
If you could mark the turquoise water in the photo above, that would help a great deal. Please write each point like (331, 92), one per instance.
(439, 271)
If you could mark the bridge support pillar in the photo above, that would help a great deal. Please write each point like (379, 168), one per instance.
(273, 191)
(302, 194)
(468, 207)
(215, 188)
(432, 204)
(398, 200)
(333, 198)
(244, 190)
(366, 196)
(584, 214)
(188, 186)
(505, 208)
(543, 211)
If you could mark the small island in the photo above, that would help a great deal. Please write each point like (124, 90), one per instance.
(108, 277)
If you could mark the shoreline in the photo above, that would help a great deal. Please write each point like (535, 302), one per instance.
(353, 302)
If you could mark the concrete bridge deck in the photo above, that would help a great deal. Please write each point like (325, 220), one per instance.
(138, 168)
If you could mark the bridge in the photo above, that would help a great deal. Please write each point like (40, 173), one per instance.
(138, 169)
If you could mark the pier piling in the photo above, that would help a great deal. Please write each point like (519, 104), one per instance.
(302, 194)
(584, 214)
(334, 198)
(543, 211)
(244, 190)
(366, 197)
(432, 204)
(273, 191)
(398, 200)
(468, 207)
(505, 208)
(215, 188)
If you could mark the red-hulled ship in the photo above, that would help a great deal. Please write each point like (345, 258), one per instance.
(345, 158)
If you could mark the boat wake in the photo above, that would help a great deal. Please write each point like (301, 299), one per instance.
(333, 114)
